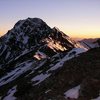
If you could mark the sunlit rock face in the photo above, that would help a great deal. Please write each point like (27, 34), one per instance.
(32, 34)
(30, 53)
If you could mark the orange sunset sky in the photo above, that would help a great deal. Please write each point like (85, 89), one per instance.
(76, 18)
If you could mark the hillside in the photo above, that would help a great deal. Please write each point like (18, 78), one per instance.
(42, 63)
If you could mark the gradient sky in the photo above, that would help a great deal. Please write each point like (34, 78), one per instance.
(77, 18)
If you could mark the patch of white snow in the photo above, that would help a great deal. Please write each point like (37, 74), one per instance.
(74, 52)
(72, 93)
(10, 94)
(15, 73)
(98, 98)
(40, 78)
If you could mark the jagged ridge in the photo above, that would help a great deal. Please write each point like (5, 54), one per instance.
(32, 52)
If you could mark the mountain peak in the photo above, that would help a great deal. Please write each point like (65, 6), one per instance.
(32, 22)
(32, 52)
(56, 29)
(37, 20)
(33, 34)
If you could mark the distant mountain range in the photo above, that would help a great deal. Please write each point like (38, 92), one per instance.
(42, 63)
(91, 43)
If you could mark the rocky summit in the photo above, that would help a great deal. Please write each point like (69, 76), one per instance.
(42, 63)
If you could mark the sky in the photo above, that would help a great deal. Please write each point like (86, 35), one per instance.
(76, 18)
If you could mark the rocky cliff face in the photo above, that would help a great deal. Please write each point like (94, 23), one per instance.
(31, 55)
(32, 34)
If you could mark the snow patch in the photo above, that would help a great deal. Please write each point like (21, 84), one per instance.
(74, 52)
(8, 54)
(15, 73)
(10, 94)
(98, 98)
(23, 53)
(25, 39)
(47, 91)
(4, 48)
(72, 93)
(40, 78)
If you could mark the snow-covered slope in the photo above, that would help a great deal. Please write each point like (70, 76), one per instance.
(30, 53)
(72, 93)
(32, 34)
(90, 43)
